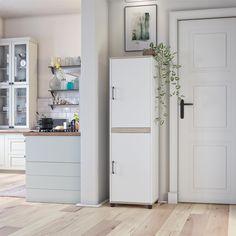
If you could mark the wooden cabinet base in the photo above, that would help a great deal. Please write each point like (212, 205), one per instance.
(137, 205)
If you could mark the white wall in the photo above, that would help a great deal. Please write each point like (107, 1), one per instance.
(94, 102)
(56, 35)
(1, 27)
(116, 41)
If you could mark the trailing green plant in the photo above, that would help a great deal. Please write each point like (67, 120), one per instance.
(167, 74)
(76, 116)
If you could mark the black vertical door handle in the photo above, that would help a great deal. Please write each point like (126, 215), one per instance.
(113, 93)
(182, 104)
(113, 170)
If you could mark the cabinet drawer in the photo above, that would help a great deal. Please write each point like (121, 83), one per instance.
(17, 163)
(17, 146)
(53, 169)
(52, 196)
(53, 182)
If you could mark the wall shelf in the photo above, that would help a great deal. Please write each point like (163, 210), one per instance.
(53, 91)
(61, 105)
(53, 68)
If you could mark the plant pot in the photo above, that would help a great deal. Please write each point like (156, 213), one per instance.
(148, 52)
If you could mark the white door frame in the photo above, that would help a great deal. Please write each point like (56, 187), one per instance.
(175, 17)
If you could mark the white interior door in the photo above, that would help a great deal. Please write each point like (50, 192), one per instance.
(130, 92)
(207, 133)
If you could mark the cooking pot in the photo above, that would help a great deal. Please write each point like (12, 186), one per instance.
(46, 124)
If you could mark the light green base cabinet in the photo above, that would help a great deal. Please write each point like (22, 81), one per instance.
(53, 169)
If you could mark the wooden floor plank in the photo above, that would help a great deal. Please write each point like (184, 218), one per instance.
(200, 209)
(232, 221)
(8, 230)
(82, 223)
(195, 225)
(175, 222)
(71, 209)
(102, 228)
(218, 220)
(131, 218)
(154, 222)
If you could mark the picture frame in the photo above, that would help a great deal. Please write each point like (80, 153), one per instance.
(140, 27)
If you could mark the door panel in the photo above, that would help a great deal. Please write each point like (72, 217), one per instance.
(5, 109)
(20, 106)
(20, 63)
(207, 134)
(4, 64)
(204, 177)
(130, 156)
(130, 96)
(2, 152)
(210, 106)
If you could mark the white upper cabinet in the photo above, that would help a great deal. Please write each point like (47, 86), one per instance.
(5, 70)
(20, 62)
(18, 83)
(130, 92)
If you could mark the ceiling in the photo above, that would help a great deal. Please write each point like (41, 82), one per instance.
(25, 8)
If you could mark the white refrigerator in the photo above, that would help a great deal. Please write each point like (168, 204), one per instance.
(134, 132)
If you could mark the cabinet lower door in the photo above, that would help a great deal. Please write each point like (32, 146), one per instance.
(130, 162)
(20, 106)
(2, 153)
(5, 108)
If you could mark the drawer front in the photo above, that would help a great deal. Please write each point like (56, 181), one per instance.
(17, 162)
(52, 196)
(16, 146)
(53, 169)
(53, 149)
(2, 153)
(53, 182)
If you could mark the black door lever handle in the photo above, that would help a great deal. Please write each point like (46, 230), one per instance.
(182, 104)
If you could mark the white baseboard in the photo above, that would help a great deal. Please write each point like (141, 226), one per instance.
(172, 198)
(90, 205)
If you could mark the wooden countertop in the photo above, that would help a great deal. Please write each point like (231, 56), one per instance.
(36, 133)
(14, 131)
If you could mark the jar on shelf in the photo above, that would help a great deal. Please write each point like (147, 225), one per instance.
(63, 84)
(76, 83)
(55, 83)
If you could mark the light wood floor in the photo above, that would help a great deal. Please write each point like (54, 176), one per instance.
(20, 218)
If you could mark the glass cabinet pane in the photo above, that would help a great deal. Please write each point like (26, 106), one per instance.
(4, 63)
(4, 107)
(20, 98)
(20, 62)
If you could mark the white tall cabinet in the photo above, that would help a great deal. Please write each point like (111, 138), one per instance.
(18, 98)
(134, 142)
(18, 83)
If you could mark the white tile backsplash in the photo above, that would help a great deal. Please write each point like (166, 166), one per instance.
(58, 112)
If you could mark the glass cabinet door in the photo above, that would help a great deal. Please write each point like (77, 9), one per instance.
(4, 63)
(20, 105)
(4, 107)
(20, 62)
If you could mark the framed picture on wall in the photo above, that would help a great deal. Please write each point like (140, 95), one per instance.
(140, 27)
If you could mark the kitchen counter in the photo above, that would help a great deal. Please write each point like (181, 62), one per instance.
(14, 131)
(36, 133)
(53, 167)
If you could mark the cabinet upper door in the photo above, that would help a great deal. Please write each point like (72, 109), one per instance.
(5, 107)
(20, 101)
(4, 64)
(20, 62)
(131, 92)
